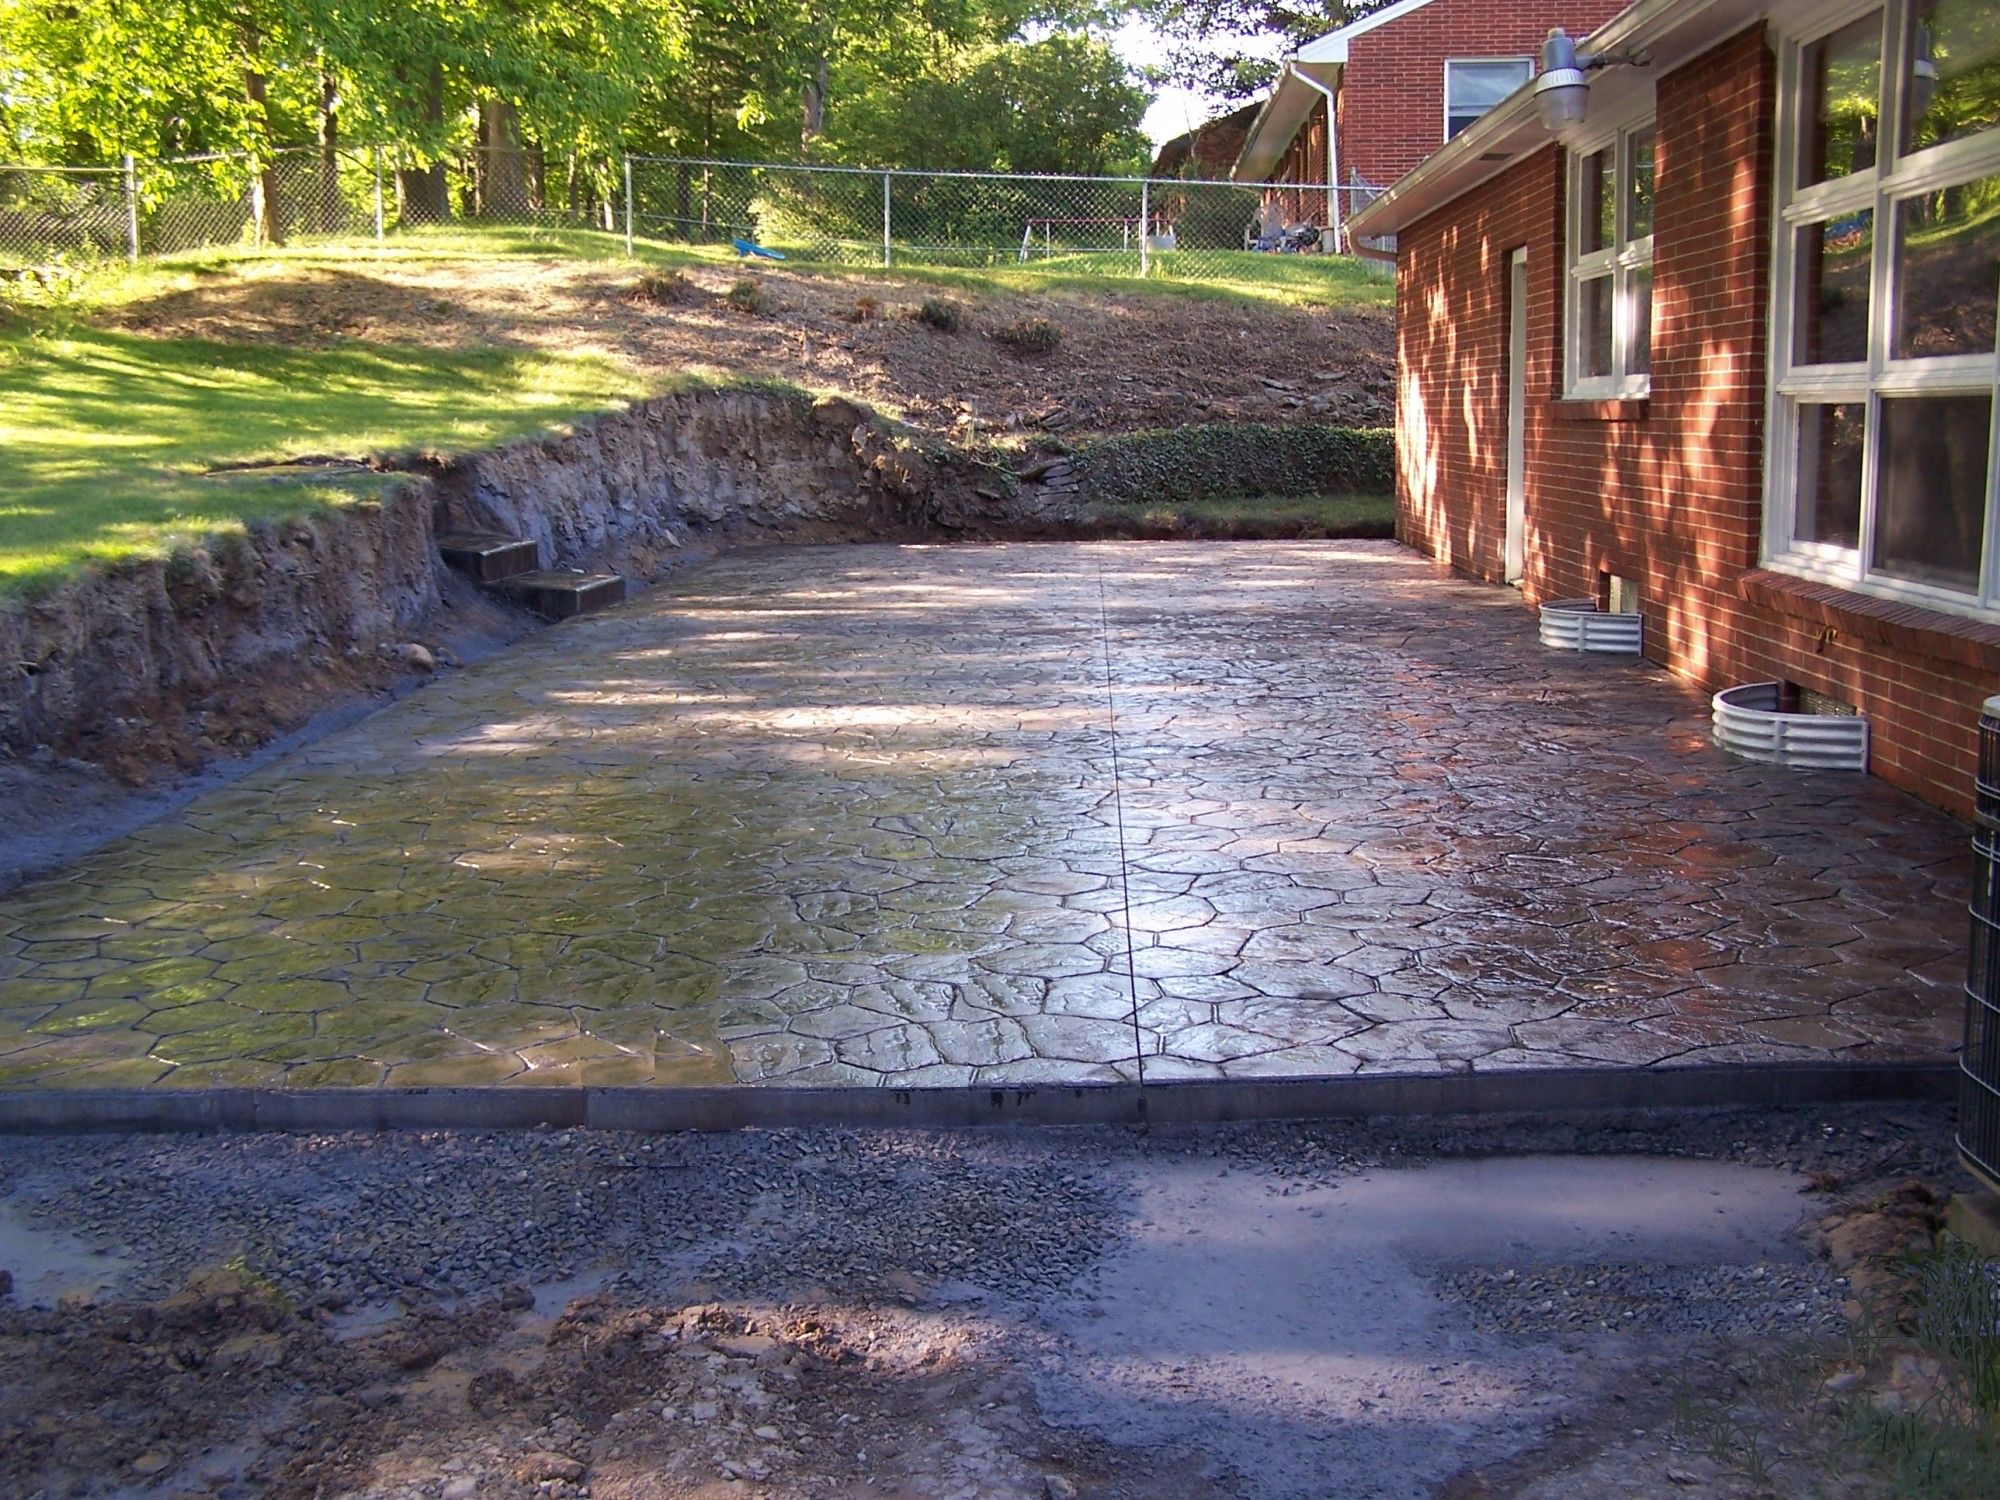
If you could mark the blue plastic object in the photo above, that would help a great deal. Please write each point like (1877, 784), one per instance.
(751, 247)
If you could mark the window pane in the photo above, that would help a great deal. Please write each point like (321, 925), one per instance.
(1842, 79)
(1598, 208)
(1475, 87)
(1641, 284)
(1948, 269)
(1593, 310)
(1954, 85)
(1930, 519)
(1829, 501)
(1831, 298)
(1639, 221)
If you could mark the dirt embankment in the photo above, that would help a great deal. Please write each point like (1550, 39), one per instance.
(1127, 359)
(168, 662)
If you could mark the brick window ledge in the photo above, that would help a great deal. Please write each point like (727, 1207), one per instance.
(1928, 633)
(1617, 409)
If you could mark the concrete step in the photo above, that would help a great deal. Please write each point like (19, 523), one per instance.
(557, 595)
(486, 557)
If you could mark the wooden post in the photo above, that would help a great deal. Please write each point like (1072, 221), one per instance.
(1145, 225)
(131, 209)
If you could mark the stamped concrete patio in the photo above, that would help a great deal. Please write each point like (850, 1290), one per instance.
(889, 815)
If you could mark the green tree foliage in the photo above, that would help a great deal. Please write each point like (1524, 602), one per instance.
(1218, 46)
(1065, 103)
(934, 82)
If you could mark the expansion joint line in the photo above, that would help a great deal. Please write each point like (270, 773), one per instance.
(1118, 819)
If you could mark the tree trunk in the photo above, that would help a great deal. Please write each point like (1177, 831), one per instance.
(813, 108)
(330, 216)
(265, 212)
(500, 174)
(537, 168)
(421, 193)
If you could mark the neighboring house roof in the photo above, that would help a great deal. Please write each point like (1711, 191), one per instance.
(1332, 48)
(1287, 108)
(1666, 32)
(1292, 99)
(1210, 147)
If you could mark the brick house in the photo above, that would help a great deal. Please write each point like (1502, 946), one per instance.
(1401, 83)
(1209, 150)
(1669, 358)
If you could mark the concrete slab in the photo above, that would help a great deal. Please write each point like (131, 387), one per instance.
(1014, 817)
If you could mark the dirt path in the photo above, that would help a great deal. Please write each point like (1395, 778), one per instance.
(1127, 360)
(1262, 1312)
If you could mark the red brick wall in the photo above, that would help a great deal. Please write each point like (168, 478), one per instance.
(1304, 161)
(1671, 493)
(1392, 89)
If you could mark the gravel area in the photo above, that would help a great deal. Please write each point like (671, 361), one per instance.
(1260, 1311)
(1792, 1302)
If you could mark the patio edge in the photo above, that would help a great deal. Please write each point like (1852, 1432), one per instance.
(1192, 1102)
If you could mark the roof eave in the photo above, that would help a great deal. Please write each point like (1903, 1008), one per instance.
(1309, 80)
(1512, 131)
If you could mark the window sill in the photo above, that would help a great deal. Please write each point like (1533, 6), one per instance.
(1929, 633)
(1615, 409)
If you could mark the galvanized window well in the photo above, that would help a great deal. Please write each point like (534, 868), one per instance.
(1579, 625)
(1766, 721)
(1979, 1062)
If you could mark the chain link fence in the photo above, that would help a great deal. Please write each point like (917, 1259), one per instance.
(1108, 226)
(52, 216)
(48, 214)
(1103, 226)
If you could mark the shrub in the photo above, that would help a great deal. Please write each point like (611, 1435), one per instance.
(747, 297)
(1227, 459)
(662, 288)
(1030, 336)
(936, 312)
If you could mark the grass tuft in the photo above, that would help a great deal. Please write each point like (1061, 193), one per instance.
(1030, 336)
(938, 313)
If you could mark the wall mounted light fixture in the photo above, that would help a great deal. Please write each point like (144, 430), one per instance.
(1562, 88)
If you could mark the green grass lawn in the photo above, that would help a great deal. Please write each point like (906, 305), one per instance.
(1313, 281)
(105, 437)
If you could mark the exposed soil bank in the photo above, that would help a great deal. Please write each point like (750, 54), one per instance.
(180, 665)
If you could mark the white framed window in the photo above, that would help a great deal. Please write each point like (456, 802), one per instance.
(1473, 85)
(1608, 301)
(1882, 473)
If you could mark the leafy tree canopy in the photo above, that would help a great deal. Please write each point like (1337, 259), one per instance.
(1221, 47)
(958, 83)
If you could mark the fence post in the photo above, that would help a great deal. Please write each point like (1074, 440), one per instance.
(375, 153)
(885, 218)
(1145, 224)
(131, 209)
(628, 206)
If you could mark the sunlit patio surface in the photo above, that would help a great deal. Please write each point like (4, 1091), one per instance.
(853, 816)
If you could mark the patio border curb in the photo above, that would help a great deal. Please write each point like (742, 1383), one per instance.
(773, 1106)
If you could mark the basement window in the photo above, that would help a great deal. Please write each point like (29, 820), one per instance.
(1608, 308)
(1886, 276)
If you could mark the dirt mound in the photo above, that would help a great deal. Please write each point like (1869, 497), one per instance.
(1126, 359)
(224, 1387)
